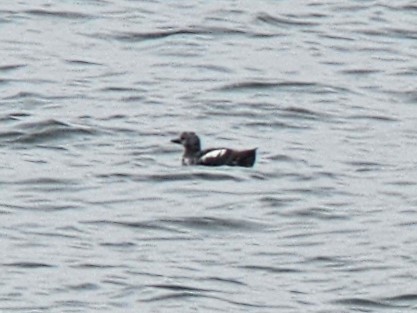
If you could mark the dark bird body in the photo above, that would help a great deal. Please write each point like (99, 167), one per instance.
(193, 155)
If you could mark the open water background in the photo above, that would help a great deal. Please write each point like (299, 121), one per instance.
(98, 215)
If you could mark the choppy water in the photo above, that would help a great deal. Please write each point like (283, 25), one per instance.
(98, 215)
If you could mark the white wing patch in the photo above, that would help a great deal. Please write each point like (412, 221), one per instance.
(213, 154)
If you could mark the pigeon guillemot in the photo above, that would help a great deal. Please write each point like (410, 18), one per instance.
(193, 155)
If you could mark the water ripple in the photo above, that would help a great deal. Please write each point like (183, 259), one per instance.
(300, 86)
(170, 177)
(181, 295)
(84, 287)
(180, 288)
(47, 130)
(285, 21)
(366, 304)
(271, 269)
(180, 225)
(407, 299)
(215, 224)
(147, 225)
(97, 211)
(11, 67)
(142, 36)
(28, 265)
(58, 14)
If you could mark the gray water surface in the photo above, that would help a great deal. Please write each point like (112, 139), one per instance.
(98, 215)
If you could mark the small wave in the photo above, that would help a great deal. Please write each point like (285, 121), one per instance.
(213, 68)
(402, 183)
(283, 21)
(214, 223)
(49, 130)
(124, 244)
(42, 124)
(147, 225)
(170, 296)
(361, 72)
(179, 291)
(299, 86)
(82, 62)
(46, 181)
(142, 36)
(226, 280)
(364, 166)
(7, 68)
(390, 33)
(46, 184)
(327, 261)
(119, 89)
(276, 202)
(4, 81)
(133, 99)
(217, 176)
(24, 95)
(303, 113)
(408, 299)
(171, 177)
(179, 288)
(248, 85)
(61, 14)
(11, 135)
(13, 116)
(409, 7)
(270, 269)
(284, 158)
(94, 266)
(366, 303)
(83, 287)
(350, 7)
(275, 125)
(320, 213)
(404, 297)
(51, 134)
(28, 265)
(187, 294)
(379, 118)
(178, 225)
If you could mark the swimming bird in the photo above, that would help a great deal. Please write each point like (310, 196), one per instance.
(193, 155)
